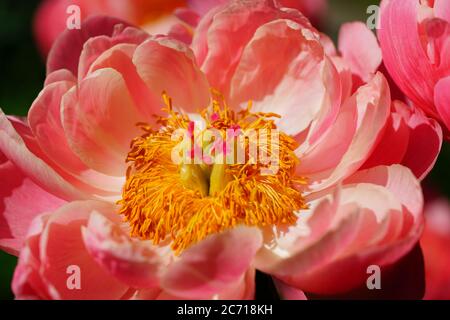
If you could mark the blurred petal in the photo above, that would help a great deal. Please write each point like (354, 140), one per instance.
(66, 51)
(442, 99)
(434, 243)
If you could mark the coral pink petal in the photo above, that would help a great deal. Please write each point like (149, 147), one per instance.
(136, 263)
(120, 58)
(62, 247)
(27, 282)
(30, 162)
(287, 292)
(376, 219)
(244, 289)
(95, 46)
(100, 120)
(181, 33)
(169, 66)
(442, 9)
(399, 180)
(21, 201)
(393, 145)
(424, 144)
(66, 50)
(364, 60)
(201, 7)
(188, 16)
(283, 70)
(410, 138)
(442, 100)
(210, 267)
(45, 121)
(372, 103)
(327, 154)
(44, 118)
(403, 53)
(232, 27)
(61, 75)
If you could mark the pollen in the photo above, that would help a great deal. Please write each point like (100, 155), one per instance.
(229, 169)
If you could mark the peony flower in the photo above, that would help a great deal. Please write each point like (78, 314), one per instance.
(434, 243)
(415, 52)
(155, 16)
(90, 184)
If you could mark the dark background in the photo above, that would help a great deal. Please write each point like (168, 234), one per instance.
(22, 73)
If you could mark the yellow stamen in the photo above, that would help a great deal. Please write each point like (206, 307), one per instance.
(219, 179)
(187, 202)
(194, 178)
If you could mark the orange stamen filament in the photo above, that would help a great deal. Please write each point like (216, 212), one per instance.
(188, 202)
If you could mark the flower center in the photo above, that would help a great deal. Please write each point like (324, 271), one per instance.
(190, 179)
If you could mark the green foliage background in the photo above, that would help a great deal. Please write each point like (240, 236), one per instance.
(22, 73)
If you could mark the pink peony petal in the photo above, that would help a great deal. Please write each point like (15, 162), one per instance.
(99, 118)
(15, 149)
(327, 155)
(442, 9)
(232, 26)
(403, 54)
(188, 16)
(61, 246)
(287, 292)
(411, 139)
(209, 267)
(376, 219)
(61, 75)
(66, 50)
(201, 7)
(120, 58)
(45, 121)
(294, 84)
(424, 144)
(169, 66)
(21, 202)
(442, 99)
(27, 281)
(372, 103)
(95, 46)
(364, 60)
(137, 263)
